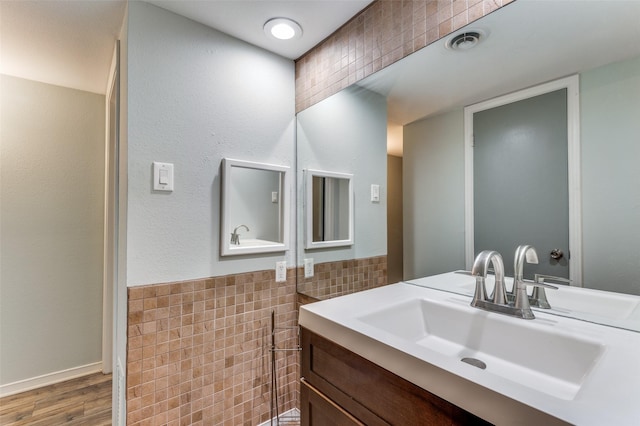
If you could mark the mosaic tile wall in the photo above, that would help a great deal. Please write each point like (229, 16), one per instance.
(198, 351)
(334, 279)
(383, 33)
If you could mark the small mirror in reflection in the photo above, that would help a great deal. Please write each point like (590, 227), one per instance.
(329, 209)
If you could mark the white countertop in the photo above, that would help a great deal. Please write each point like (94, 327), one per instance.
(609, 394)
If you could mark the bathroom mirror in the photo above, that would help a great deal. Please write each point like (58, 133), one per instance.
(328, 209)
(255, 208)
(527, 43)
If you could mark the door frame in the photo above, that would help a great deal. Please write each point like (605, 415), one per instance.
(572, 85)
(111, 202)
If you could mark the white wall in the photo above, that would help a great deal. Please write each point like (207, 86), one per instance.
(434, 186)
(195, 96)
(51, 185)
(347, 133)
(433, 194)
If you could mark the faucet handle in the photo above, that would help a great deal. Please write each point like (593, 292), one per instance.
(540, 278)
(539, 297)
(539, 284)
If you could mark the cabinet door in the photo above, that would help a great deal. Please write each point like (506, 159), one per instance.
(318, 410)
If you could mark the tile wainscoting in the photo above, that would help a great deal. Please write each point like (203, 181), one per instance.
(332, 279)
(198, 351)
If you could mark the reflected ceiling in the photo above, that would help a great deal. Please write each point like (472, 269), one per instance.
(528, 42)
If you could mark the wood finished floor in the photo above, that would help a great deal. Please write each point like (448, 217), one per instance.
(82, 401)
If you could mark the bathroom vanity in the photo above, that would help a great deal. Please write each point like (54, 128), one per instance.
(340, 387)
(406, 354)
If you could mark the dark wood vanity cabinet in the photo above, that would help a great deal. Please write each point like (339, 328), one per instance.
(339, 387)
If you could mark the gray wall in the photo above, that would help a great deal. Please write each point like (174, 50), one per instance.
(610, 128)
(347, 133)
(51, 228)
(434, 184)
(195, 96)
(433, 192)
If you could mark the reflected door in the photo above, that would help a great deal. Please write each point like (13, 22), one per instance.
(521, 181)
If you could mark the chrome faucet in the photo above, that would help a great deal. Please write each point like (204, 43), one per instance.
(528, 254)
(500, 302)
(235, 237)
(480, 270)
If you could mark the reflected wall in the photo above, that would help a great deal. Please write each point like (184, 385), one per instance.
(434, 184)
(346, 133)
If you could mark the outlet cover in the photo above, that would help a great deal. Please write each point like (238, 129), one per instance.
(281, 271)
(308, 268)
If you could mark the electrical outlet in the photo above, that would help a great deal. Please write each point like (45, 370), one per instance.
(308, 268)
(281, 271)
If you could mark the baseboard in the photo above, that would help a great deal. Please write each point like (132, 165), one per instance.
(49, 379)
(292, 416)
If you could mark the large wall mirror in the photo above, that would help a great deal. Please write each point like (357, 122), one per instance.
(525, 44)
(255, 208)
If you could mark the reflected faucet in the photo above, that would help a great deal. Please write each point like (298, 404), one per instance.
(235, 237)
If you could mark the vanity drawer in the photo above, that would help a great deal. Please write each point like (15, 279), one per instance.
(318, 410)
(370, 393)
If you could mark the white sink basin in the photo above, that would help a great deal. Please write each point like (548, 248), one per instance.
(543, 359)
(254, 242)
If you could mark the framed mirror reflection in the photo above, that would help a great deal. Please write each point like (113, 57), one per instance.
(255, 208)
(328, 209)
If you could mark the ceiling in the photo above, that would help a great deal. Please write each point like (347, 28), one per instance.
(244, 19)
(70, 43)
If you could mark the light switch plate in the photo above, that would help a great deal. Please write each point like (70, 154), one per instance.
(308, 268)
(281, 271)
(162, 176)
(375, 193)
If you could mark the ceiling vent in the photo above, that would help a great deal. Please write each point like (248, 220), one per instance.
(466, 40)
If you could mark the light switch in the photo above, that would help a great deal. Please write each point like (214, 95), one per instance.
(162, 176)
(375, 193)
(274, 197)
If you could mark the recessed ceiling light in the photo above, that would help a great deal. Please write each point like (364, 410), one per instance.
(282, 29)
